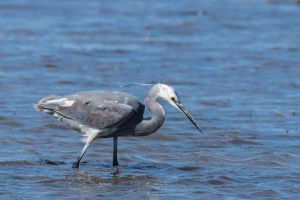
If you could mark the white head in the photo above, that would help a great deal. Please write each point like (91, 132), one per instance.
(169, 94)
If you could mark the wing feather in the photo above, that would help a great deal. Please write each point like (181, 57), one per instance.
(91, 109)
(100, 115)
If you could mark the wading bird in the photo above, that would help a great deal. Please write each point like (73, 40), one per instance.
(104, 114)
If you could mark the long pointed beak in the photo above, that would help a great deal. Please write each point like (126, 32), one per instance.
(187, 114)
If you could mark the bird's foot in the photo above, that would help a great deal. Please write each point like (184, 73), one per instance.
(115, 163)
(76, 164)
(116, 170)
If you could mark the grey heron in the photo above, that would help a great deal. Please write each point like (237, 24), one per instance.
(104, 114)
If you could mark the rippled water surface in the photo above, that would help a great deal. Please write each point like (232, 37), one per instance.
(235, 64)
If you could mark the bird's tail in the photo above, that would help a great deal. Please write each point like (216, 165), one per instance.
(45, 105)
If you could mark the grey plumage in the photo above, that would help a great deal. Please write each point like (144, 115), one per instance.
(103, 114)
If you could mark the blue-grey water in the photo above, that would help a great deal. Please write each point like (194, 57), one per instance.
(234, 63)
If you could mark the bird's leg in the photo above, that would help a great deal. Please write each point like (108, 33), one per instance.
(115, 158)
(90, 139)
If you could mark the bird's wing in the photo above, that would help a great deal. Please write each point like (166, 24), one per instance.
(99, 114)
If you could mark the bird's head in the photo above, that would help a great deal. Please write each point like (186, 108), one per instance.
(169, 94)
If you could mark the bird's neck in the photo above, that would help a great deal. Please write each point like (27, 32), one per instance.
(148, 126)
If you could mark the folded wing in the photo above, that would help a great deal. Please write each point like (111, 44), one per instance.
(98, 113)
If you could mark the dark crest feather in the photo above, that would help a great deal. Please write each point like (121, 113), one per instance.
(139, 84)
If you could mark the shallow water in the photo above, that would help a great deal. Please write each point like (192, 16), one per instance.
(234, 63)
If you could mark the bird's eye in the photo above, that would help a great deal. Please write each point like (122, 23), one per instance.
(173, 98)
